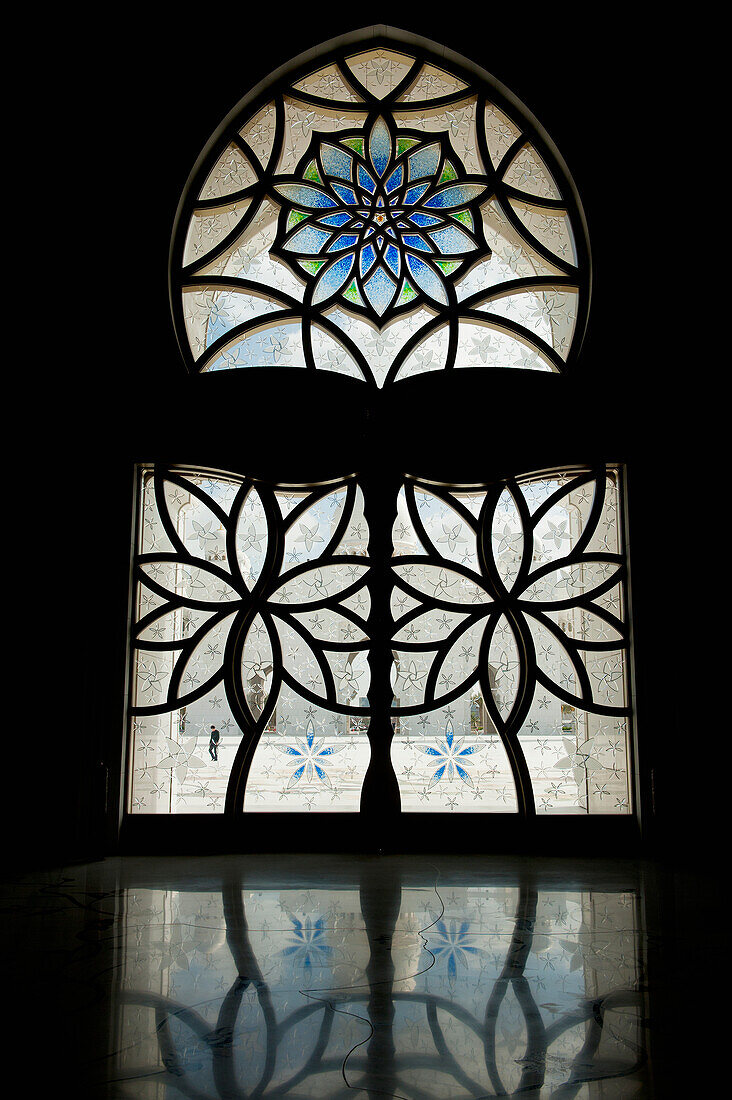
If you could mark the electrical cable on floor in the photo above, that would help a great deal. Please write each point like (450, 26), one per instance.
(372, 985)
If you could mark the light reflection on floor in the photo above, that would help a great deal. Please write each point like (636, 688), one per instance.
(237, 979)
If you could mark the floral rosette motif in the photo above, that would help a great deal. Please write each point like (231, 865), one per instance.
(383, 219)
(241, 594)
(532, 607)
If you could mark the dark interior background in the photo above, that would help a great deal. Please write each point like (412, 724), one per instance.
(124, 124)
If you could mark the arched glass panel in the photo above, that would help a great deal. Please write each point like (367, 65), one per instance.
(372, 640)
(380, 212)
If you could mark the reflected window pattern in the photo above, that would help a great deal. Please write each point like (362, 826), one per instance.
(466, 991)
(510, 646)
(381, 226)
(249, 644)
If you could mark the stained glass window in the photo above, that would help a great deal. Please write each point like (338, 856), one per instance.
(375, 638)
(380, 216)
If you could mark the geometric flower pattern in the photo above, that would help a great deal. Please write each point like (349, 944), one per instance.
(381, 218)
(509, 642)
(510, 601)
(380, 229)
(245, 595)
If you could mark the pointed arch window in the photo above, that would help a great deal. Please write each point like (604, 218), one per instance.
(380, 211)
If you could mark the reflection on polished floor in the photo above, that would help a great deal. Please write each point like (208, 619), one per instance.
(249, 976)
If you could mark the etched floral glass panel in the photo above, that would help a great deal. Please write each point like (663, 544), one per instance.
(511, 646)
(250, 644)
(380, 195)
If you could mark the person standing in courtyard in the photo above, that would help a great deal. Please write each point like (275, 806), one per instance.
(213, 743)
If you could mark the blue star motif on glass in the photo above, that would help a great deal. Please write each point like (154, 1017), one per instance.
(383, 219)
(451, 757)
(455, 946)
(309, 755)
(309, 946)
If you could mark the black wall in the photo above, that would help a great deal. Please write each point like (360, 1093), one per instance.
(123, 125)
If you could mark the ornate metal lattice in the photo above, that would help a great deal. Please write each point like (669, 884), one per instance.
(380, 212)
(261, 613)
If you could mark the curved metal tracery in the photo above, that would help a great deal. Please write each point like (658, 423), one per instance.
(383, 213)
(260, 613)
(380, 212)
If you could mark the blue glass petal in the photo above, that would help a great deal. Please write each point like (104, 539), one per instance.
(308, 240)
(467, 752)
(424, 161)
(346, 240)
(449, 737)
(296, 775)
(345, 193)
(431, 752)
(333, 278)
(419, 219)
(458, 194)
(365, 180)
(438, 774)
(368, 258)
(452, 240)
(427, 280)
(380, 146)
(393, 259)
(413, 241)
(304, 195)
(336, 219)
(310, 738)
(293, 752)
(380, 290)
(395, 179)
(414, 194)
(337, 162)
(321, 773)
(328, 752)
(464, 775)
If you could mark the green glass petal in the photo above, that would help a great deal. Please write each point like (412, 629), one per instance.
(295, 217)
(408, 293)
(312, 266)
(404, 143)
(465, 217)
(448, 266)
(354, 143)
(353, 295)
(448, 173)
(312, 173)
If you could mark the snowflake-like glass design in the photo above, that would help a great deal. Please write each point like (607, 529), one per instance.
(309, 755)
(381, 218)
(454, 946)
(309, 947)
(451, 758)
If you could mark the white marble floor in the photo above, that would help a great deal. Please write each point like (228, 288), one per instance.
(311, 977)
